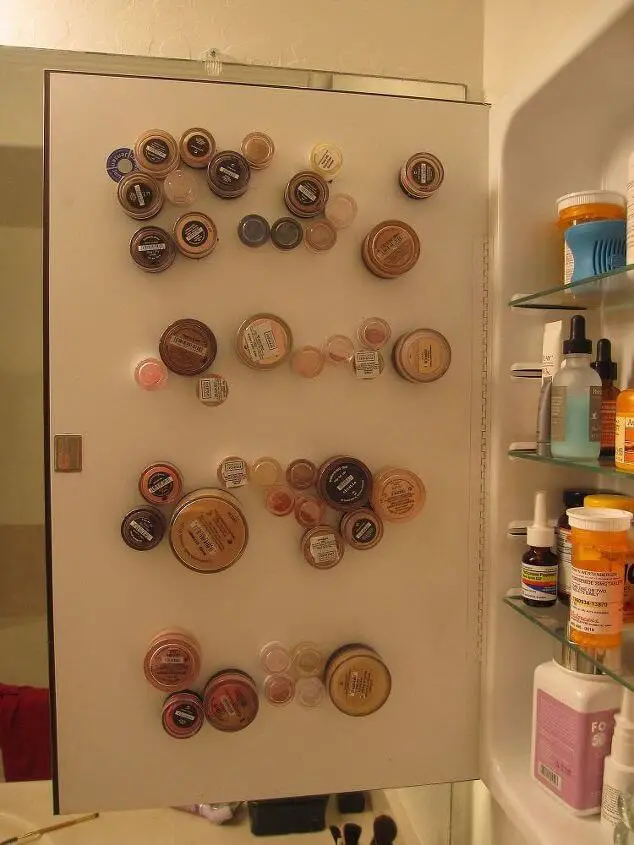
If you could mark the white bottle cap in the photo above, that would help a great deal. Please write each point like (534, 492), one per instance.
(540, 535)
(599, 519)
(589, 197)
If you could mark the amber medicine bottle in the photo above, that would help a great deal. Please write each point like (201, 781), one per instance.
(624, 431)
(607, 370)
(539, 563)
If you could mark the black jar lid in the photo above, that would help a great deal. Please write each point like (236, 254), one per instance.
(287, 233)
(254, 230)
(143, 528)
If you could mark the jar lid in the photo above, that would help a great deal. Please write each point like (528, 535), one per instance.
(326, 159)
(279, 499)
(301, 473)
(373, 333)
(140, 195)
(253, 230)
(179, 187)
(266, 472)
(422, 355)
(308, 361)
(306, 194)
(195, 234)
(279, 689)
(588, 197)
(341, 210)
(609, 500)
(152, 249)
(287, 233)
(599, 519)
(188, 347)
(422, 175)
(320, 236)
(275, 658)
(228, 174)
(143, 528)
(339, 350)
(197, 147)
(156, 152)
(390, 249)
(258, 149)
(264, 341)
(212, 389)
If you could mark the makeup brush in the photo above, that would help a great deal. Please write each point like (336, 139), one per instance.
(351, 834)
(35, 834)
(385, 831)
(334, 832)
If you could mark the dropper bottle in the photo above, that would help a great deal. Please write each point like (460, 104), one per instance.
(539, 563)
(607, 370)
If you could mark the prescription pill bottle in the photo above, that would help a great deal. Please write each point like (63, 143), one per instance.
(585, 207)
(600, 549)
(624, 503)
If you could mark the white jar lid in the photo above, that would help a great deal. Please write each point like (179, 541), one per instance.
(586, 197)
(599, 519)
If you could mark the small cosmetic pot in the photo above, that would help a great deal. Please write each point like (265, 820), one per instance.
(357, 680)
(326, 159)
(161, 484)
(279, 689)
(183, 714)
(212, 390)
(322, 547)
(179, 187)
(308, 361)
(143, 528)
(306, 194)
(197, 147)
(398, 495)
(253, 230)
(156, 153)
(195, 234)
(140, 195)
(264, 341)
(301, 474)
(422, 355)
(341, 210)
(150, 374)
(228, 174)
(275, 658)
(421, 176)
(286, 233)
(390, 249)
(258, 149)
(344, 483)
(152, 249)
(362, 529)
(320, 236)
(309, 510)
(266, 472)
(309, 692)
(172, 661)
(231, 700)
(279, 500)
(373, 333)
(188, 347)
(339, 350)
(368, 364)
(308, 660)
(233, 472)
(208, 532)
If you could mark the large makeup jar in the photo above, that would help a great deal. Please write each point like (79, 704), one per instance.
(422, 355)
(172, 661)
(344, 483)
(188, 347)
(421, 176)
(183, 714)
(264, 341)
(197, 147)
(398, 495)
(208, 532)
(231, 700)
(156, 153)
(152, 249)
(228, 174)
(357, 680)
(306, 194)
(390, 249)
(140, 196)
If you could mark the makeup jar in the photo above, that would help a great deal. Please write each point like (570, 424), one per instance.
(301, 474)
(264, 341)
(362, 529)
(398, 495)
(253, 230)
(156, 153)
(390, 249)
(275, 658)
(421, 176)
(140, 196)
(322, 547)
(233, 472)
(143, 528)
(188, 347)
(326, 159)
(309, 692)
(422, 355)
(195, 234)
(306, 194)
(179, 187)
(266, 472)
(286, 233)
(152, 249)
(150, 374)
(197, 147)
(208, 532)
(258, 149)
(172, 661)
(341, 210)
(374, 333)
(231, 700)
(339, 350)
(320, 236)
(183, 714)
(279, 500)
(344, 483)
(279, 690)
(228, 174)
(368, 364)
(161, 484)
(309, 510)
(212, 390)
(308, 361)
(357, 680)
(308, 660)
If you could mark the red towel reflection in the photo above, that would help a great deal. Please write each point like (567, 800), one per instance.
(25, 735)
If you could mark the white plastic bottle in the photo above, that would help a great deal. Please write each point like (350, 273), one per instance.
(573, 720)
(618, 776)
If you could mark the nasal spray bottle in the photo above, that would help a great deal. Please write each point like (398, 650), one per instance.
(618, 774)
(539, 564)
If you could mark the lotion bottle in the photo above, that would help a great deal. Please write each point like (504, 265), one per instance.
(618, 778)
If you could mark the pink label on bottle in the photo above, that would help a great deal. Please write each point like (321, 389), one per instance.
(570, 748)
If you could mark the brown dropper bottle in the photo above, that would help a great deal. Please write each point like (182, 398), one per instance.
(607, 370)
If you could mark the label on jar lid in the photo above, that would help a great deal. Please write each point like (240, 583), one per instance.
(234, 473)
(156, 150)
(195, 233)
(368, 365)
(423, 173)
(198, 145)
(185, 715)
(161, 482)
(213, 390)
(324, 548)
(307, 192)
(229, 172)
(364, 530)
(139, 194)
(260, 341)
(151, 244)
(184, 341)
(202, 538)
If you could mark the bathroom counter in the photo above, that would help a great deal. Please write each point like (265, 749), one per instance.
(26, 806)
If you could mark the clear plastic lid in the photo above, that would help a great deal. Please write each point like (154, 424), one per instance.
(308, 361)
(150, 374)
(374, 333)
(308, 660)
(279, 689)
(590, 197)
(320, 236)
(266, 472)
(339, 350)
(341, 210)
(275, 658)
(279, 500)
(309, 692)
(180, 187)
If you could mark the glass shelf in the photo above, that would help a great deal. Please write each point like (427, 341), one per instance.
(618, 663)
(609, 290)
(604, 466)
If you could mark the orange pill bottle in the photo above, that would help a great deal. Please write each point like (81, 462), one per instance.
(600, 550)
